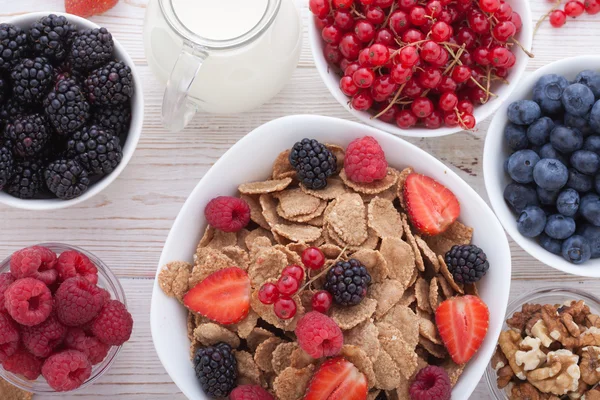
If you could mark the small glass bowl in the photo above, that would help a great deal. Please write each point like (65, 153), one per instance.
(543, 295)
(106, 280)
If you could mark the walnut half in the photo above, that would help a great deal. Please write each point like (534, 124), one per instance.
(530, 356)
(559, 375)
(590, 365)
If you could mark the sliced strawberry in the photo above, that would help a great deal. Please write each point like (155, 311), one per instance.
(337, 379)
(431, 207)
(223, 296)
(87, 8)
(462, 323)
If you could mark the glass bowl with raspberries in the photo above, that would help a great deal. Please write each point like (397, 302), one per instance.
(420, 68)
(63, 318)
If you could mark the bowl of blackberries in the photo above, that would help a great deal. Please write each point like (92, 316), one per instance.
(71, 110)
(542, 165)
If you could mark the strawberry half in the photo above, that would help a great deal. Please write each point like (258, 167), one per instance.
(223, 296)
(337, 379)
(431, 206)
(87, 8)
(462, 322)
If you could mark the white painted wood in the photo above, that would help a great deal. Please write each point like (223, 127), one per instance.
(127, 224)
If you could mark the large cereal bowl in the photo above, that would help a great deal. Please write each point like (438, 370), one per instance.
(106, 280)
(496, 151)
(482, 112)
(251, 159)
(135, 128)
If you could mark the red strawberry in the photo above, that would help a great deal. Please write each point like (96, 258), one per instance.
(337, 379)
(431, 207)
(462, 323)
(223, 296)
(87, 8)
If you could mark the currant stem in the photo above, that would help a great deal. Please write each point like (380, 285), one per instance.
(529, 54)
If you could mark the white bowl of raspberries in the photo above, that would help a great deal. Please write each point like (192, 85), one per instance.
(71, 110)
(63, 318)
(418, 69)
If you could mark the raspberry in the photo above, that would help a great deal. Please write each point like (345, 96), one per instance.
(114, 324)
(41, 339)
(365, 161)
(228, 214)
(5, 281)
(72, 263)
(250, 392)
(66, 370)
(319, 335)
(93, 348)
(78, 301)
(23, 363)
(36, 262)
(431, 383)
(28, 301)
(9, 336)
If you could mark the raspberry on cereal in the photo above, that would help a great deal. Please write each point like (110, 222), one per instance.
(28, 301)
(23, 363)
(72, 263)
(91, 346)
(431, 383)
(250, 392)
(9, 336)
(42, 339)
(6, 280)
(66, 370)
(228, 214)
(114, 324)
(365, 161)
(77, 301)
(319, 335)
(36, 262)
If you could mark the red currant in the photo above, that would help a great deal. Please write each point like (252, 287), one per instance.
(378, 54)
(574, 8)
(313, 258)
(558, 18)
(467, 37)
(287, 285)
(447, 84)
(516, 19)
(504, 31)
(422, 107)
(295, 271)
(319, 7)
(412, 89)
(268, 293)
(345, 4)
(481, 56)
(468, 121)
(409, 56)
(465, 106)
(448, 101)
(418, 16)
(321, 301)
(433, 8)
(343, 20)
(499, 56)
(442, 59)
(347, 86)
(501, 72)
(464, 5)
(364, 30)
(323, 22)
(477, 95)
(504, 13)
(363, 57)
(430, 77)
(366, 2)
(466, 58)
(362, 101)
(375, 15)
(592, 7)
(350, 68)
(461, 73)
(332, 54)
(406, 119)
(478, 22)
(285, 307)
(350, 46)
(383, 87)
(412, 35)
(401, 74)
(407, 4)
(384, 36)
(331, 34)
(451, 119)
(399, 22)
(390, 114)
(430, 51)
(441, 31)
(384, 3)
(434, 120)
(489, 5)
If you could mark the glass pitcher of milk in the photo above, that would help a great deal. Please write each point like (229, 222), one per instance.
(220, 56)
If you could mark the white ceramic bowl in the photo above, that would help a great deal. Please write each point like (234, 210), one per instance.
(496, 151)
(251, 159)
(135, 128)
(482, 112)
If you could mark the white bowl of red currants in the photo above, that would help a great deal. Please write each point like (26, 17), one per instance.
(417, 69)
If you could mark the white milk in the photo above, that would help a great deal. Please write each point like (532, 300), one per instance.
(229, 80)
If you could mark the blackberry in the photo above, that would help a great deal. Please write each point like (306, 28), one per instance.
(96, 149)
(26, 182)
(313, 162)
(4, 87)
(66, 107)
(111, 84)
(67, 179)
(115, 119)
(32, 79)
(216, 369)
(347, 282)
(467, 263)
(28, 134)
(91, 48)
(6, 165)
(51, 37)
(13, 45)
(11, 109)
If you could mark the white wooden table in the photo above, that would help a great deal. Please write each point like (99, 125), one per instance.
(127, 224)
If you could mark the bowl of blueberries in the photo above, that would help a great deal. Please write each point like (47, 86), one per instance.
(542, 165)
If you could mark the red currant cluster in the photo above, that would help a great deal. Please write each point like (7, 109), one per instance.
(416, 61)
(280, 293)
(573, 9)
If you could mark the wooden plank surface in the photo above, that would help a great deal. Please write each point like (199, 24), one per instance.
(127, 224)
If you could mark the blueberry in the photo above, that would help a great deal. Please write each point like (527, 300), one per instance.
(592, 143)
(547, 197)
(538, 133)
(532, 221)
(595, 118)
(567, 202)
(552, 245)
(521, 165)
(577, 122)
(576, 249)
(578, 181)
(578, 99)
(547, 93)
(559, 227)
(547, 151)
(524, 112)
(516, 136)
(590, 79)
(566, 140)
(585, 161)
(592, 234)
(520, 196)
(550, 174)
(589, 207)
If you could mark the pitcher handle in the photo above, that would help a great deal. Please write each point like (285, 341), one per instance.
(177, 109)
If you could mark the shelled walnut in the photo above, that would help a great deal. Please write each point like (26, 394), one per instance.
(559, 375)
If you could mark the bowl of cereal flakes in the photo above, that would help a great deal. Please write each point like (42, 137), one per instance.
(314, 268)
